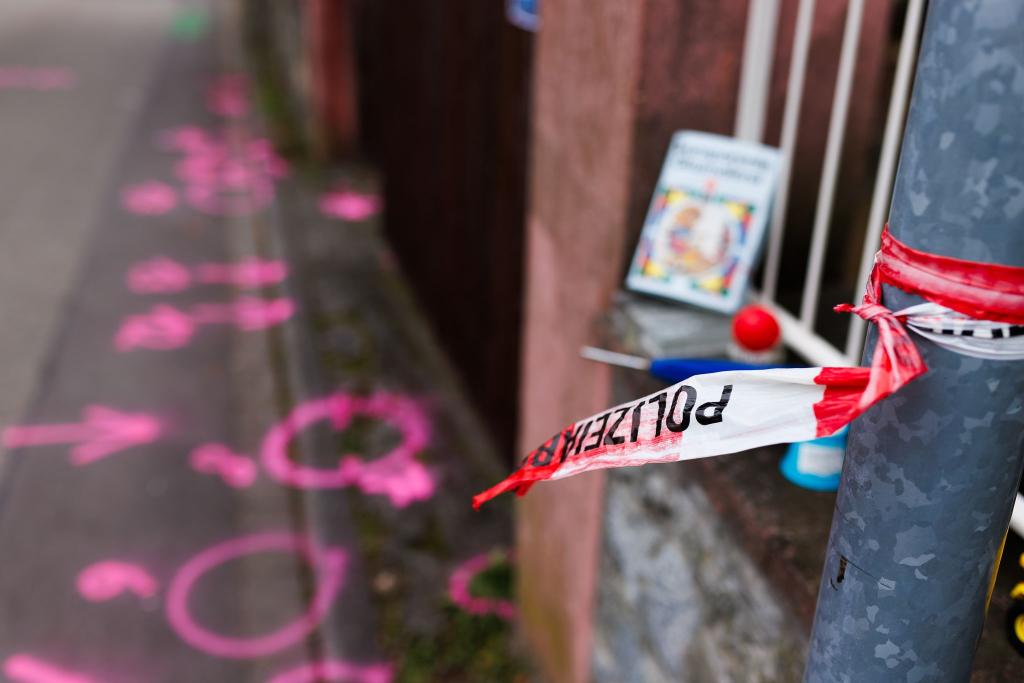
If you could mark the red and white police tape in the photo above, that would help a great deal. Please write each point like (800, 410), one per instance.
(975, 308)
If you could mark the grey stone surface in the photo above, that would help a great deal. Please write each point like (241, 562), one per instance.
(678, 599)
(57, 149)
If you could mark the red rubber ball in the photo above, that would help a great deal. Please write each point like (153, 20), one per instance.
(755, 328)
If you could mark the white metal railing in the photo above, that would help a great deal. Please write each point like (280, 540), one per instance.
(830, 169)
(756, 75)
(798, 331)
(790, 119)
(755, 88)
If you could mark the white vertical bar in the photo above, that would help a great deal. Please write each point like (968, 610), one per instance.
(790, 119)
(1017, 517)
(756, 73)
(833, 151)
(804, 341)
(886, 164)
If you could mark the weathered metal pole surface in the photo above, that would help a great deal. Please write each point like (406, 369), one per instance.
(930, 474)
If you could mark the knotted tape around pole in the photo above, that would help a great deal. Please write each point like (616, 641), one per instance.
(973, 308)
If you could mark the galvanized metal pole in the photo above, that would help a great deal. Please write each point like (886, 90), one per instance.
(930, 474)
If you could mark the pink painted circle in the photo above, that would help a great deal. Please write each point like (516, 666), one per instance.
(458, 589)
(329, 564)
(397, 475)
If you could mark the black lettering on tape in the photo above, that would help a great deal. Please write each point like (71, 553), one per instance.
(610, 439)
(635, 431)
(572, 434)
(684, 419)
(599, 434)
(660, 398)
(579, 444)
(717, 406)
(544, 454)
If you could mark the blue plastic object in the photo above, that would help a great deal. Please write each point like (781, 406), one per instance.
(817, 464)
(674, 370)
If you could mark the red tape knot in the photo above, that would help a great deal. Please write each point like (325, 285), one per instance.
(896, 360)
(870, 312)
(983, 291)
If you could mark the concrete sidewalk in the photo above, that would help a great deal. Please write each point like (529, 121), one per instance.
(58, 147)
(247, 459)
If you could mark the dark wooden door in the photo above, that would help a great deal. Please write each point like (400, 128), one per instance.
(444, 113)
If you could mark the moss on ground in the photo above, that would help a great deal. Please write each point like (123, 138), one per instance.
(469, 648)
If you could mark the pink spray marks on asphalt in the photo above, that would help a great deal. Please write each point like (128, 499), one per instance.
(151, 198)
(108, 579)
(236, 470)
(336, 671)
(349, 205)
(41, 78)
(228, 96)
(158, 275)
(102, 432)
(397, 475)
(249, 274)
(219, 178)
(328, 564)
(24, 668)
(165, 275)
(165, 327)
(459, 590)
(246, 314)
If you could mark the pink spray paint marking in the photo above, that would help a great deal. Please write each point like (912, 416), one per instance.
(163, 328)
(151, 198)
(23, 668)
(108, 579)
(247, 274)
(165, 275)
(36, 78)
(349, 205)
(458, 590)
(228, 96)
(158, 275)
(102, 432)
(237, 470)
(247, 314)
(166, 328)
(329, 564)
(336, 671)
(397, 475)
(222, 179)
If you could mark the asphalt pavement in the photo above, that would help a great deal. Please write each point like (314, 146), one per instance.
(233, 449)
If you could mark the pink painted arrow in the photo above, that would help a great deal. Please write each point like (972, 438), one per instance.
(166, 327)
(162, 274)
(25, 668)
(36, 78)
(102, 432)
